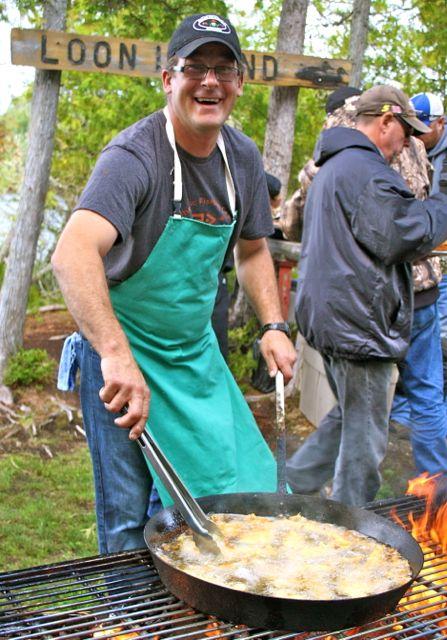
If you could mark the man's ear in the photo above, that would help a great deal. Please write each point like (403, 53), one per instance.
(386, 120)
(240, 84)
(166, 79)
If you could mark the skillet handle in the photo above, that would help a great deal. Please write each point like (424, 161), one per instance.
(280, 435)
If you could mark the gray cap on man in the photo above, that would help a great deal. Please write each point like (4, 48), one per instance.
(385, 98)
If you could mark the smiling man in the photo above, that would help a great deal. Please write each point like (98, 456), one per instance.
(362, 229)
(138, 262)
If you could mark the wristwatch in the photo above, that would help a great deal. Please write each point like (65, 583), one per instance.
(275, 326)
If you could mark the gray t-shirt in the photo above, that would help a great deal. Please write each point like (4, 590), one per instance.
(132, 187)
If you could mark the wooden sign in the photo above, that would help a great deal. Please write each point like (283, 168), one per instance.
(74, 52)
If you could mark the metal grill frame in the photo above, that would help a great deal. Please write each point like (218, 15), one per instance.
(121, 596)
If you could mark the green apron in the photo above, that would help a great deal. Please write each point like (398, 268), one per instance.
(197, 414)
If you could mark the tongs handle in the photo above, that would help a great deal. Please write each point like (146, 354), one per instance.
(188, 507)
(280, 434)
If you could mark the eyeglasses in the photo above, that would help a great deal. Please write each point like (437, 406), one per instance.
(223, 73)
(408, 129)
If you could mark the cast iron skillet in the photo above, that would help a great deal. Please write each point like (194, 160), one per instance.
(282, 613)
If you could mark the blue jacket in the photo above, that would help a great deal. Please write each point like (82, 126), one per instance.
(437, 156)
(362, 228)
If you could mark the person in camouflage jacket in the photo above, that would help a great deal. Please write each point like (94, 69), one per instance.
(340, 113)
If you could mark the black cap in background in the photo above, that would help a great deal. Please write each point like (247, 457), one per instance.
(273, 184)
(337, 98)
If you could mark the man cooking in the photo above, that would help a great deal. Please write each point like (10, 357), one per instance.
(138, 263)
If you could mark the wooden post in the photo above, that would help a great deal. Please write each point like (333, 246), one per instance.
(22, 253)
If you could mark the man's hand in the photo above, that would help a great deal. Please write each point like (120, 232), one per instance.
(279, 353)
(125, 389)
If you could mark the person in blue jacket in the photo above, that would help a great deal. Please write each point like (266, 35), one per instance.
(355, 294)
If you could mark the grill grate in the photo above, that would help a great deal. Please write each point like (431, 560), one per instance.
(121, 596)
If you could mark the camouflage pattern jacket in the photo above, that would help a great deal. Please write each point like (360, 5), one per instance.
(415, 168)
(291, 219)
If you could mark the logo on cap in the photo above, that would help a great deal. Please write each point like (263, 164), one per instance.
(394, 108)
(211, 23)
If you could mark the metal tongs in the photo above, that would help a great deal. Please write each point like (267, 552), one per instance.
(204, 530)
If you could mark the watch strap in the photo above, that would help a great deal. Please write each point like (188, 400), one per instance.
(276, 326)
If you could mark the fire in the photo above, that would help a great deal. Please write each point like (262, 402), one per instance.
(428, 529)
(212, 626)
(432, 525)
(115, 634)
(370, 631)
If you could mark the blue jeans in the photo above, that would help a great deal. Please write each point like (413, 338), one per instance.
(351, 440)
(422, 406)
(442, 306)
(123, 484)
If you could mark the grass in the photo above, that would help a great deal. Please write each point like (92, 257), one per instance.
(388, 489)
(46, 509)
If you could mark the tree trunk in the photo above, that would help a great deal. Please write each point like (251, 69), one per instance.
(280, 130)
(4, 249)
(359, 39)
(22, 253)
(240, 310)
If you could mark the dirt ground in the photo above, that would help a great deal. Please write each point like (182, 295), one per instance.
(51, 409)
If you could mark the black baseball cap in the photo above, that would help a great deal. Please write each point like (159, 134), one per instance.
(337, 98)
(202, 28)
(273, 184)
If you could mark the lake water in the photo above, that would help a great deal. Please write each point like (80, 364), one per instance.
(51, 227)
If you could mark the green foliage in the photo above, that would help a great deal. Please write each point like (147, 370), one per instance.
(13, 141)
(35, 299)
(240, 359)
(407, 40)
(94, 107)
(29, 366)
(46, 509)
(309, 120)
(257, 30)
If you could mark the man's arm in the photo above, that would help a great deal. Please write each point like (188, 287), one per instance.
(256, 274)
(393, 225)
(78, 266)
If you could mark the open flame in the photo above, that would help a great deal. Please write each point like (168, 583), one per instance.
(115, 633)
(429, 528)
(432, 525)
